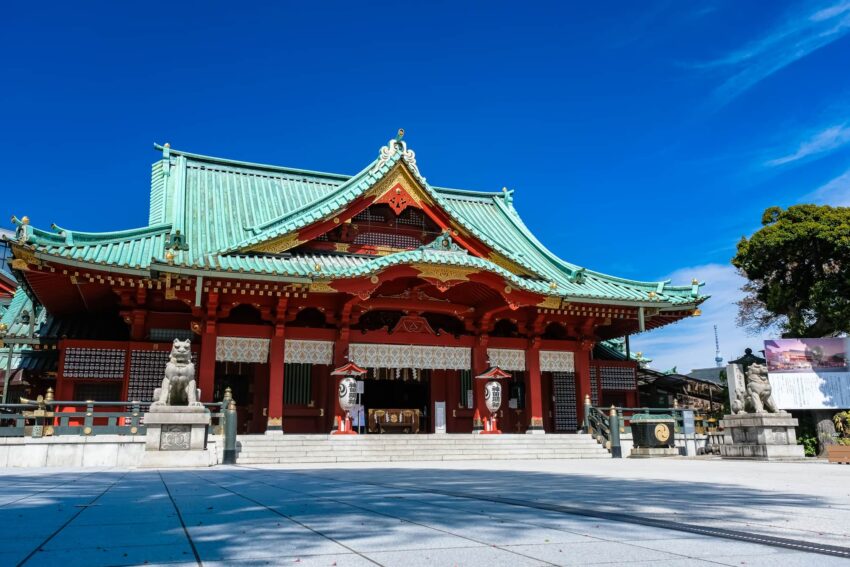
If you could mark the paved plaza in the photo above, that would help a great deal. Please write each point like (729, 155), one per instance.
(612, 512)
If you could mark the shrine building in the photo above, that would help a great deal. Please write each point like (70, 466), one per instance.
(281, 275)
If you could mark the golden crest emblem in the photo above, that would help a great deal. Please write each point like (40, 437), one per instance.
(662, 432)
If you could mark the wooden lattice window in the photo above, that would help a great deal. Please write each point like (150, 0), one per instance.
(297, 383)
(618, 378)
(564, 389)
(465, 388)
(388, 239)
(98, 363)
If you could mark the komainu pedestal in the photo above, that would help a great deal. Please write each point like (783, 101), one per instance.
(177, 422)
(760, 436)
(757, 429)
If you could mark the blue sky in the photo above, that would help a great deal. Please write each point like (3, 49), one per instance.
(642, 139)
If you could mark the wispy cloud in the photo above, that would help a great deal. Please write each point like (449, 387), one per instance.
(823, 142)
(835, 192)
(689, 344)
(800, 35)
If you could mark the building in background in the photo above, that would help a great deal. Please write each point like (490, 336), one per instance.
(278, 275)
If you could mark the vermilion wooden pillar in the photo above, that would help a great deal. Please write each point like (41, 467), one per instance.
(582, 362)
(535, 396)
(276, 377)
(479, 365)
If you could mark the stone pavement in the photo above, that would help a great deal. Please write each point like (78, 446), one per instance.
(429, 514)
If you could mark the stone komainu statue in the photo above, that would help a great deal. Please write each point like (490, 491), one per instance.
(178, 386)
(757, 394)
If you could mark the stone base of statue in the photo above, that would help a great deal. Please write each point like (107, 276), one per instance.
(176, 437)
(760, 436)
(651, 452)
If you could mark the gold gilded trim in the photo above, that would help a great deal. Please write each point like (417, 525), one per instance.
(321, 287)
(550, 303)
(277, 245)
(510, 266)
(443, 273)
(399, 175)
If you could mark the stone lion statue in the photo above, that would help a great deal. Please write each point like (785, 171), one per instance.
(757, 394)
(178, 386)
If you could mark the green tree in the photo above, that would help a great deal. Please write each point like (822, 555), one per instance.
(798, 271)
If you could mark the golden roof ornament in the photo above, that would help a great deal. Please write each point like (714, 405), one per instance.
(697, 312)
(169, 257)
(694, 281)
(25, 220)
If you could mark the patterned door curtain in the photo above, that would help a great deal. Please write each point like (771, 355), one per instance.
(241, 349)
(308, 352)
(557, 361)
(410, 356)
(507, 358)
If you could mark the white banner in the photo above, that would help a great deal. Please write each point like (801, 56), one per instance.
(309, 352)
(410, 356)
(507, 358)
(557, 361)
(240, 349)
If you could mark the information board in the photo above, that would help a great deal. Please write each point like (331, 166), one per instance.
(809, 373)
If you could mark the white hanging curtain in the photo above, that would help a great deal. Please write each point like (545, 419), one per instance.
(410, 356)
(507, 358)
(557, 361)
(241, 349)
(309, 352)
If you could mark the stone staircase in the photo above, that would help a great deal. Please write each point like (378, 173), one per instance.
(291, 448)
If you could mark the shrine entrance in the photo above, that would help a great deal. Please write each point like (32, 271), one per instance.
(396, 400)
(249, 383)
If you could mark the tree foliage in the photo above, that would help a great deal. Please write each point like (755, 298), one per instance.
(798, 267)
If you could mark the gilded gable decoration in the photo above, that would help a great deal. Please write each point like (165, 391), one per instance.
(399, 145)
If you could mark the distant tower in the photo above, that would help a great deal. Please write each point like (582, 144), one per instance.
(718, 360)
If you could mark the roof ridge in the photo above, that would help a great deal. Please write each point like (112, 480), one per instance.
(234, 162)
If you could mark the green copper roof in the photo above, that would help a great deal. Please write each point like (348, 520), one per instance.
(13, 318)
(210, 210)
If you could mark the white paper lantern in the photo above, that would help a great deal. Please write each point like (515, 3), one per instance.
(493, 396)
(347, 393)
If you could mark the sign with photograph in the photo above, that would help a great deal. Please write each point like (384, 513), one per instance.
(809, 373)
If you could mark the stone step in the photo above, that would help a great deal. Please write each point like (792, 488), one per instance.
(366, 442)
(290, 449)
(375, 454)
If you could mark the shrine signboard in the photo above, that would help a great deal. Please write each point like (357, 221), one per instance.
(809, 373)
